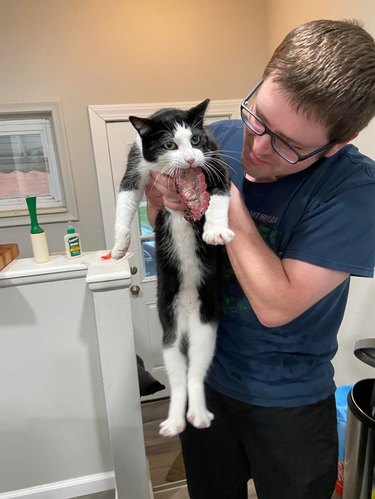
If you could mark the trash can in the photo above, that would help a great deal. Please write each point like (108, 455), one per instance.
(359, 476)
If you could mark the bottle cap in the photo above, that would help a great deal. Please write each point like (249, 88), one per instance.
(70, 229)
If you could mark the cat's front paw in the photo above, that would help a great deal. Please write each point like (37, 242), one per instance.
(171, 427)
(200, 418)
(121, 246)
(118, 253)
(217, 236)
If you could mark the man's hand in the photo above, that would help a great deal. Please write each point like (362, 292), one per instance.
(162, 191)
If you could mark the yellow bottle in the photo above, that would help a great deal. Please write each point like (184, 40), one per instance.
(72, 242)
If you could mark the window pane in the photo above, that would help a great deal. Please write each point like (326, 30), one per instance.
(23, 166)
(147, 237)
(145, 227)
(28, 164)
(21, 152)
(149, 258)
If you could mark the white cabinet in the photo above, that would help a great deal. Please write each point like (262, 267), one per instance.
(70, 418)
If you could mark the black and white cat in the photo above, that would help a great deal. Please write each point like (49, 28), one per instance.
(176, 143)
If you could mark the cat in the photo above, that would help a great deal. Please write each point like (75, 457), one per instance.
(176, 143)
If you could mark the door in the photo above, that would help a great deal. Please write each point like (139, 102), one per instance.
(147, 328)
(113, 135)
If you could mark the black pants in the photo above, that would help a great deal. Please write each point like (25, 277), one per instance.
(291, 453)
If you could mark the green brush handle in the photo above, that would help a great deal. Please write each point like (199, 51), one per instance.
(31, 204)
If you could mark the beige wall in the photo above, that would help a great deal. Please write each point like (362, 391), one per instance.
(82, 52)
(283, 15)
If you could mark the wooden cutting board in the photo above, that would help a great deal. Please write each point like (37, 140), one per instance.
(8, 252)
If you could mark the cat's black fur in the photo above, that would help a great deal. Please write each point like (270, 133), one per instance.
(171, 229)
(169, 279)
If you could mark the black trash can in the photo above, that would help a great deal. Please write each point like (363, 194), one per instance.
(359, 471)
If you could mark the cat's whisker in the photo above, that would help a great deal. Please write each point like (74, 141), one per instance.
(224, 164)
(224, 154)
(213, 171)
(167, 127)
(197, 124)
(211, 174)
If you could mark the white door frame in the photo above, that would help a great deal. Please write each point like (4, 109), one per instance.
(100, 115)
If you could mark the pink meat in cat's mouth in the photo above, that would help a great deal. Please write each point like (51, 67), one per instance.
(192, 187)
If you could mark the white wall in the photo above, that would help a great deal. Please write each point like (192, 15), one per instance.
(53, 424)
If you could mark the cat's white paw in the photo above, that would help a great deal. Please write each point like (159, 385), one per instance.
(200, 418)
(171, 427)
(217, 236)
(118, 253)
(121, 246)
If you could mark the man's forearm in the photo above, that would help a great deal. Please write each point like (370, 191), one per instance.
(259, 271)
(278, 290)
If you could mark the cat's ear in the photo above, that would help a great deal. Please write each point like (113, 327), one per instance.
(142, 125)
(197, 112)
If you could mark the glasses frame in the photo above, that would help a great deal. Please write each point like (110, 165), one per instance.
(274, 136)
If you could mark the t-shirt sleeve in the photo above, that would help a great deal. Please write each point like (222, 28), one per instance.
(337, 231)
(229, 136)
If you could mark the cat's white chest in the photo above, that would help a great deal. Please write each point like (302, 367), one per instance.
(184, 244)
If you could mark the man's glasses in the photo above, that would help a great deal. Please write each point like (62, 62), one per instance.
(279, 145)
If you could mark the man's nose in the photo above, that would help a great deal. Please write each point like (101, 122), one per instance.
(262, 144)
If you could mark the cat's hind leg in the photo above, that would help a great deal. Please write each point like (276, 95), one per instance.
(202, 339)
(176, 364)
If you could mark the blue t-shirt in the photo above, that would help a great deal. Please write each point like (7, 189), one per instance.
(324, 215)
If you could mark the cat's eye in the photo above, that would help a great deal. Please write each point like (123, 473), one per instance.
(170, 146)
(195, 139)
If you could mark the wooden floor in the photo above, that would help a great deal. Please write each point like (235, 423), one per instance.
(161, 453)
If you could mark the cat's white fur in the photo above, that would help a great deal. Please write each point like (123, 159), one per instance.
(186, 375)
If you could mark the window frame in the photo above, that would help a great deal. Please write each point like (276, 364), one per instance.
(62, 170)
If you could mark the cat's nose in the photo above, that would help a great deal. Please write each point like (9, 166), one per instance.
(190, 161)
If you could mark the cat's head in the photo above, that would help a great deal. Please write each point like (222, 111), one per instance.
(173, 138)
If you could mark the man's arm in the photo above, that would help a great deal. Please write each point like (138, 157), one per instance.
(278, 290)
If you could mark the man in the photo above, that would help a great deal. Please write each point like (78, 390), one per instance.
(303, 213)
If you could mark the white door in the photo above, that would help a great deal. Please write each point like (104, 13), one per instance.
(147, 328)
(112, 136)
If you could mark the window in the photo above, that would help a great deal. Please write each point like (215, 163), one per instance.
(34, 161)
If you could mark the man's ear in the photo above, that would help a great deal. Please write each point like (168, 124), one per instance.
(339, 146)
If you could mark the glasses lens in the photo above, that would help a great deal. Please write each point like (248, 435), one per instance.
(284, 150)
(252, 121)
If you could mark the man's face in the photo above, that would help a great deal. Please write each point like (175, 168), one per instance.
(271, 105)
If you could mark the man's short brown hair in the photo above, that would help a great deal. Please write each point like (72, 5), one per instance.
(328, 70)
